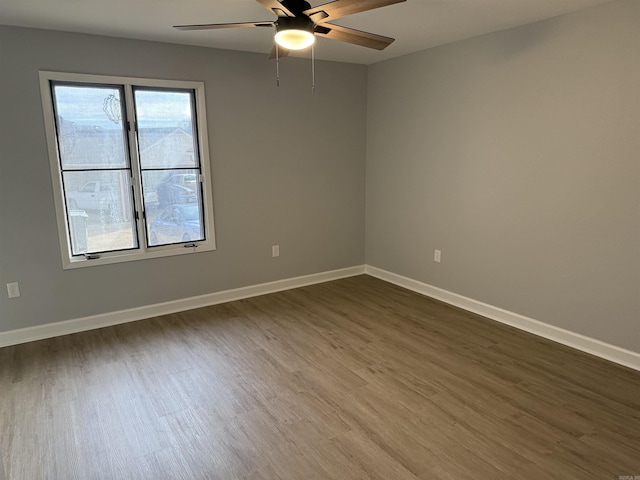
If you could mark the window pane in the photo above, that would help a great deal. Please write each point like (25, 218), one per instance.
(166, 132)
(100, 211)
(90, 127)
(163, 188)
(173, 206)
(176, 224)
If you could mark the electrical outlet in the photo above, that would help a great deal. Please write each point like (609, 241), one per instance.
(275, 251)
(437, 255)
(13, 289)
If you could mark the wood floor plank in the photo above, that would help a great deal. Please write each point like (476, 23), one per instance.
(351, 379)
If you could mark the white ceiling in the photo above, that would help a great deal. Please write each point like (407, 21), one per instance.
(416, 24)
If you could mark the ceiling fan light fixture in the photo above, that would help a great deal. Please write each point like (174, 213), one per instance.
(295, 39)
(294, 33)
(298, 23)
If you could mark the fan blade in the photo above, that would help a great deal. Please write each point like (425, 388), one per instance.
(282, 52)
(276, 7)
(215, 26)
(341, 8)
(351, 35)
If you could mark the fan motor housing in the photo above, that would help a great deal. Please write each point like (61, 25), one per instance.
(294, 23)
(296, 7)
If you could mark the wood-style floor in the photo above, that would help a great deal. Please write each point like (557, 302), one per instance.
(352, 379)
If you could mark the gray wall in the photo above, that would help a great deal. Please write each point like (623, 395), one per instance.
(288, 168)
(518, 155)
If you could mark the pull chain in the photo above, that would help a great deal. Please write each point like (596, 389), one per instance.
(313, 69)
(277, 66)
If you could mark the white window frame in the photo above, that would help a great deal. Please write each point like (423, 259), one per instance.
(70, 261)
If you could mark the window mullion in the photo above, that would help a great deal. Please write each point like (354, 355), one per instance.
(134, 158)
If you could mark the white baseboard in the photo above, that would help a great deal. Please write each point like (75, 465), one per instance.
(40, 332)
(575, 340)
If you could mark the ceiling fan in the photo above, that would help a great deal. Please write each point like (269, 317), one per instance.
(298, 23)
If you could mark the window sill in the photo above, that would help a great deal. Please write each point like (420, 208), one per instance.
(122, 257)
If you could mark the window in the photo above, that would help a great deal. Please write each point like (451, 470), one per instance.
(130, 167)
